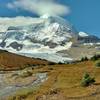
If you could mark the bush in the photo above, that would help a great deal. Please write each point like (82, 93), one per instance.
(60, 63)
(84, 59)
(51, 63)
(50, 68)
(87, 80)
(98, 63)
(26, 74)
(95, 57)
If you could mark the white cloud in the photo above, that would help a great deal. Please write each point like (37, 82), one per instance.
(5, 22)
(40, 7)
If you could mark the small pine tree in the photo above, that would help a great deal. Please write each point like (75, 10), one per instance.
(98, 64)
(95, 57)
(84, 59)
(87, 80)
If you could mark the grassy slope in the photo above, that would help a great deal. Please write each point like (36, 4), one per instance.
(66, 79)
(12, 61)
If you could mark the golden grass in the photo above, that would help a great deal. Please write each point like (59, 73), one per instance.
(67, 79)
(10, 61)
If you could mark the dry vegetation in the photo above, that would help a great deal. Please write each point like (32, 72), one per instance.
(64, 83)
(10, 61)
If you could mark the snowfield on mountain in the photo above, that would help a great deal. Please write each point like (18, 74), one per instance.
(42, 37)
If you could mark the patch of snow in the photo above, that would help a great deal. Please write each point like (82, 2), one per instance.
(98, 43)
(91, 44)
(45, 16)
(83, 34)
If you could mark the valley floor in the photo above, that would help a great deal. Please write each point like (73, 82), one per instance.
(63, 83)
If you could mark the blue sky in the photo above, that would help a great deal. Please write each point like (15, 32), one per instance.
(84, 15)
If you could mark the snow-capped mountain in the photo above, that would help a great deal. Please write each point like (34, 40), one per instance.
(48, 36)
(88, 39)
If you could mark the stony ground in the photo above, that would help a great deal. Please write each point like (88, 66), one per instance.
(11, 82)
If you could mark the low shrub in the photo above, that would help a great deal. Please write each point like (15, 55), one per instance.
(95, 57)
(50, 68)
(84, 59)
(26, 74)
(98, 63)
(51, 63)
(60, 63)
(87, 80)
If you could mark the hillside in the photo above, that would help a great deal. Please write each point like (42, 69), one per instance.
(10, 61)
(64, 83)
(78, 51)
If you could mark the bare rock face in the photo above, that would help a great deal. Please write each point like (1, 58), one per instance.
(86, 38)
(16, 46)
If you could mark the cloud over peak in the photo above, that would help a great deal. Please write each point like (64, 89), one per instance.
(40, 7)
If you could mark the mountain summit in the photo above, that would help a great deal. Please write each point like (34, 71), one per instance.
(53, 31)
(43, 38)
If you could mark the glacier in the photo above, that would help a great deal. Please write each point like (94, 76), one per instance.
(41, 37)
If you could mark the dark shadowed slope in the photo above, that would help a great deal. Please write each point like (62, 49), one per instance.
(10, 61)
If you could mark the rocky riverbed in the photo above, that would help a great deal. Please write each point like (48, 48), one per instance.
(11, 82)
